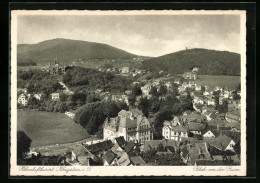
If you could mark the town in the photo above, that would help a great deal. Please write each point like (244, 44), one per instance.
(136, 118)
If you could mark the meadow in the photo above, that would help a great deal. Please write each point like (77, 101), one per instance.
(222, 81)
(47, 128)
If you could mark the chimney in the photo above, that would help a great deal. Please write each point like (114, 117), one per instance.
(217, 127)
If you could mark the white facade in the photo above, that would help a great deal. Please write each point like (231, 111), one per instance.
(230, 146)
(38, 96)
(55, 96)
(208, 134)
(170, 133)
(22, 100)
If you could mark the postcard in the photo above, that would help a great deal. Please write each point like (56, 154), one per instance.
(128, 93)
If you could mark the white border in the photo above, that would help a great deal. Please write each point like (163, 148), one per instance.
(136, 170)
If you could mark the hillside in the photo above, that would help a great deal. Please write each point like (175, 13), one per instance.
(209, 62)
(68, 50)
(46, 128)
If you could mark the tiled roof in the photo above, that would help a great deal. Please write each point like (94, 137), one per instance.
(196, 126)
(109, 156)
(185, 152)
(196, 150)
(120, 141)
(221, 142)
(130, 145)
(180, 128)
(137, 160)
(101, 146)
(124, 160)
(80, 151)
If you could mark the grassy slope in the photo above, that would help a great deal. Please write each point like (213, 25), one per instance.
(222, 81)
(46, 128)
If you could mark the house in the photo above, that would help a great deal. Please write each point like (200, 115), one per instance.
(129, 147)
(82, 156)
(211, 102)
(109, 158)
(70, 114)
(128, 92)
(221, 100)
(125, 70)
(120, 98)
(190, 75)
(181, 89)
(55, 96)
(207, 133)
(233, 117)
(211, 116)
(100, 147)
(237, 104)
(153, 144)
(146, 89)
(192, 117)
(195, 69)
(22, 99)
(223, 143)
(132, 125)
(174, 132)
(197, 88)
(197, 107)
(196, 128)
(137, 160)
(177, 81)
(194, 152)
(124, 160)
(38, 96)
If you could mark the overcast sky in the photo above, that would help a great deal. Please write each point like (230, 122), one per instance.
(147, 35)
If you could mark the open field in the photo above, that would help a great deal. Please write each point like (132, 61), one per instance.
(223, 81)
(46, 128)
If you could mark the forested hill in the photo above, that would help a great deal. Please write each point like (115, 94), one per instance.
(68, 50)
(209, 62)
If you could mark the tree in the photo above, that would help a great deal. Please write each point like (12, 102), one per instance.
(162, 90)
(160, 148)
(23, 144)
(144, 105)
(136, 90)
(235, 95)
(153, 91)
(132, 99)
(154, 104)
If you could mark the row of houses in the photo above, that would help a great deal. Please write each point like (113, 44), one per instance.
(23, 98)
(116, 152)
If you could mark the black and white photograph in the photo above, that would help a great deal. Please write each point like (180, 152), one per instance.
(128, 93)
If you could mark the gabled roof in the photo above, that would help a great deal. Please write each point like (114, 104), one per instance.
(128, 148)
(137, 160)
(221, 142)
(101, 146)
(80, 151)
(185, 152)
(109, 156)
(213, 115)
(206, 130)
(124, 160)
(196, 150)
(195, 126)
(120, 141)
(180, 128)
